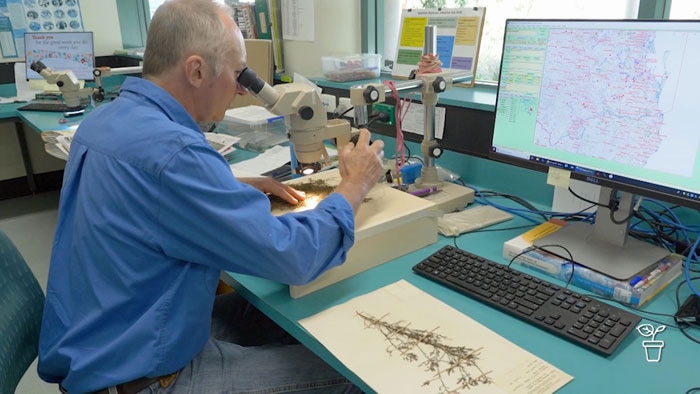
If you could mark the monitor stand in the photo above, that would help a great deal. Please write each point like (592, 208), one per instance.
(605, 246)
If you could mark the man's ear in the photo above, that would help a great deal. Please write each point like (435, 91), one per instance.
(195, 70)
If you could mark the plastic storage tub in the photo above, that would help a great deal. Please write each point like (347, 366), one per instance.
(352, 67)
(257, 128)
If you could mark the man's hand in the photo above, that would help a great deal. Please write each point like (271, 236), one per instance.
(278, 189)
(360, 166)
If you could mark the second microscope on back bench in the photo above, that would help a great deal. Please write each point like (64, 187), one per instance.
(70, 87)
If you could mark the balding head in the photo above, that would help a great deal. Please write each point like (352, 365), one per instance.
(180, 28)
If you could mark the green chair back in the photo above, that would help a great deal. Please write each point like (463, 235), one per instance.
(21, 308)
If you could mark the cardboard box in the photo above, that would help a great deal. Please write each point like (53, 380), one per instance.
(259, 60)
(389, 224)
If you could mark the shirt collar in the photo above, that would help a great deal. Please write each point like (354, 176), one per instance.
(150, 92)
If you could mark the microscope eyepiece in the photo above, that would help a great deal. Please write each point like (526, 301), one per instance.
(249, 80)
(37, 66)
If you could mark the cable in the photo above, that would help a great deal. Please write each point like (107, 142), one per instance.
(688, 279)
(378, 116)
(345, 112)
(530, 208)
(571, 259)
(484, 230)
(662, 228)
(612, 207)
(585, 199)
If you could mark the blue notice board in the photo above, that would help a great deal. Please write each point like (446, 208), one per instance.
(26, 16)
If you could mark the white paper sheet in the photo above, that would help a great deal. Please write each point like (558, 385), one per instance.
(414, 343)
(262, 163)
(298, 20)
(414, 121)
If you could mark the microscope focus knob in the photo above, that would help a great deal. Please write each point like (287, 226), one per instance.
(439, 85)
(99, 95)
(371, 94)
(306, 112)
(435, 150)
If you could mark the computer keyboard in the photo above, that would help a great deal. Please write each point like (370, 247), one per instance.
(595, 325)
(49, 106)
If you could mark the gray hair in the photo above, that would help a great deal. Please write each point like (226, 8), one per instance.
(180, 28)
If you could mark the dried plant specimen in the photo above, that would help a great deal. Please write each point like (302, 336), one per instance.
(429, 349)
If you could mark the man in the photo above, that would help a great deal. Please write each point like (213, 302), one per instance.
(149, 216)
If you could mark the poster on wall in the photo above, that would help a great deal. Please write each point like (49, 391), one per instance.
(458, 39)
(34, 16)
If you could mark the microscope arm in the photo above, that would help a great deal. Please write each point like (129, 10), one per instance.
(307, 122)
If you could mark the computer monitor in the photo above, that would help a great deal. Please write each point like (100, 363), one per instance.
(61, 51)
(614, 102)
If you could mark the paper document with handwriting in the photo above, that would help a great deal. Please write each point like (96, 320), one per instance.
(399, 339)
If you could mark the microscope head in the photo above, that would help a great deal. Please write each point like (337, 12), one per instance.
(67, 82)
(305, 115)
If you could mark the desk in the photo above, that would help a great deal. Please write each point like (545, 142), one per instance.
(625, 372)
(39, 121)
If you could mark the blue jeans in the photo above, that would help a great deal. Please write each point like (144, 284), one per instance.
(248, 353)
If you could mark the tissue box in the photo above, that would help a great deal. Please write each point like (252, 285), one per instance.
(352, 67)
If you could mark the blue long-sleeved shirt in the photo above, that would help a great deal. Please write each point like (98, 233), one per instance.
(149, 215)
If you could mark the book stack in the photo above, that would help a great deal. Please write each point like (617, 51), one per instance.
(244, 15)
(634, 291)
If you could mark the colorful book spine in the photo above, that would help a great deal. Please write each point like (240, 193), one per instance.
(275, 8)
(262, 16)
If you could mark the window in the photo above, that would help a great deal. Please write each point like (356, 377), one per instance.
(685, 9)
(497, 11)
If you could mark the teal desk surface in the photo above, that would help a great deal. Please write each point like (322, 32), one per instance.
(39, 121)
(9, 110)
(627, 371)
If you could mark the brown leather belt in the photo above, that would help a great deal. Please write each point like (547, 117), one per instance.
(137, 385)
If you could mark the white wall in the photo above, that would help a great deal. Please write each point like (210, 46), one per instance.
(392, 26)
(338, 31)
(101, 17)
